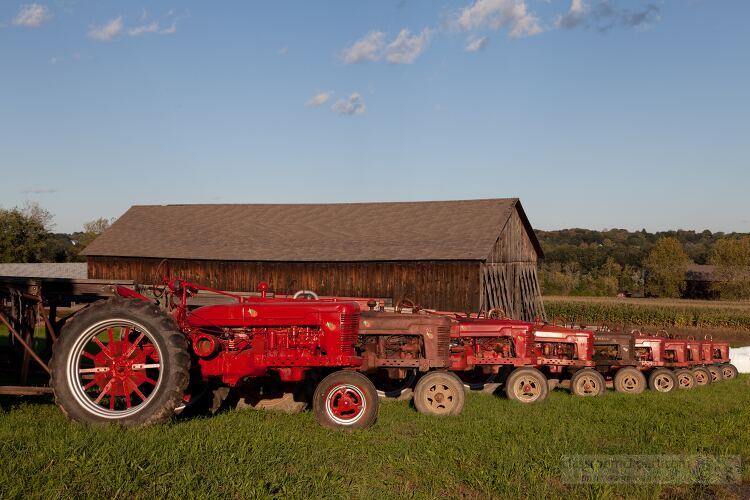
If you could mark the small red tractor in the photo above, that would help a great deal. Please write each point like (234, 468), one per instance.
(490, 350)
(615, 357)
(129, 360)
(650, 353)
(568, 354)
(403, 351)
(699, 359)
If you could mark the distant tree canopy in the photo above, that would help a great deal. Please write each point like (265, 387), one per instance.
(23, 233)
(585, 262)
(731, 257)
(665, 266)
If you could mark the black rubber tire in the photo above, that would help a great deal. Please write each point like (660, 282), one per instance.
(596, 383)
(352, 381)
(662, 380)
(702, 376)
(715, 372)
(520, 377)
(728, 371)
(629, 380)
(685, 378)
(174, 370)
(439, 393)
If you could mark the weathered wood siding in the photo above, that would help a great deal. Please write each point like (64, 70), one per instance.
(509, 278)
(446, 285)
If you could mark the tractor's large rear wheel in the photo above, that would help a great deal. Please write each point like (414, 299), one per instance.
(346, 400)
(439, 393)
(120, 361)
(587, 382)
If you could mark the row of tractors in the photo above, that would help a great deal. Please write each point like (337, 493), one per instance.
(138, 358)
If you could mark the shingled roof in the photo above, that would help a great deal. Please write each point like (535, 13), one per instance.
(342, 232)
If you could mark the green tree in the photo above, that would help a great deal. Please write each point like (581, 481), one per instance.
(23, 235)
(665, 266)
(91, 230)
(731, 256)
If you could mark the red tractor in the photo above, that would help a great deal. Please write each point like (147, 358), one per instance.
(498, 350)
(567, 353)
(676, 358)
(129, 360)
(650, 354)
(699, 356)
(718, 356)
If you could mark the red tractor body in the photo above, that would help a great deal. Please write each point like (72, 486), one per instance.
(557, 348)
(262, 336)
(131, 359)
(489, 344)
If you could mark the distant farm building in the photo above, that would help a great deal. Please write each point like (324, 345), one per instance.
(449, 255)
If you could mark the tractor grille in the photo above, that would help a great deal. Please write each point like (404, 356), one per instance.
(443, 341)
(349, 332)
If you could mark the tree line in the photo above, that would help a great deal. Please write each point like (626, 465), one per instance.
(27, 235)
(605, 263)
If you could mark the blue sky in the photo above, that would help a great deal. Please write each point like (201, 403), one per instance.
(595, 113)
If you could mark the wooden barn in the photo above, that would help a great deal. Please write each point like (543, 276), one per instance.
(449, 255)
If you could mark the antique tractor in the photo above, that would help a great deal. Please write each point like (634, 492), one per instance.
(487, 350)
(718, 356)
(615, 357)
(129, 360)
(403, 351)
(676, 358)
(650, 353)
(567, 354)
(699, 356)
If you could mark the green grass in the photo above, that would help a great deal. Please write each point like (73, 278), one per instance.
(496, 448)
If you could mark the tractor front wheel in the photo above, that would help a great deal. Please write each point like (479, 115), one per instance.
(439, 393)
(120, 361)
(345, 400)
(702, 376)
(685, 379)
(662, 380)
(587, 382)
(728, 371)
(629, 380)
(715, 372)
(526, 385)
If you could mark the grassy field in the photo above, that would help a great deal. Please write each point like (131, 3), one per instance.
(495, 449)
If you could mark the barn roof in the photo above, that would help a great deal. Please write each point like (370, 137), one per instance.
(343, 232)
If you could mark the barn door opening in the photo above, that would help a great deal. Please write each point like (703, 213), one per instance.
(514, 288)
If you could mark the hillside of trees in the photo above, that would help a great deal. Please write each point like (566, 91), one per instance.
(608, 262)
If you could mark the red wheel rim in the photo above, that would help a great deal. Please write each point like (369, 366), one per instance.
(345, 404)
(115, 368)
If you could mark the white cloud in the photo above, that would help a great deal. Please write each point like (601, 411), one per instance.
(405, 49)
(107, 31)
(496, 14)
(152, 28)
(354, 105)
(476, 43)
(367, 48)
(32, 15)
(576, 15)
(318, 99)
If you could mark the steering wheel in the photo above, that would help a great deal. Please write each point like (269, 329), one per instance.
(496, 313)
(405, 303)
(306, 293)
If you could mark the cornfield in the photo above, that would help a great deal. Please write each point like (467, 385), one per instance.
(649, 312)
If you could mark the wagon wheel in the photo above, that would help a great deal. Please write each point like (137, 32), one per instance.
(405, 303)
